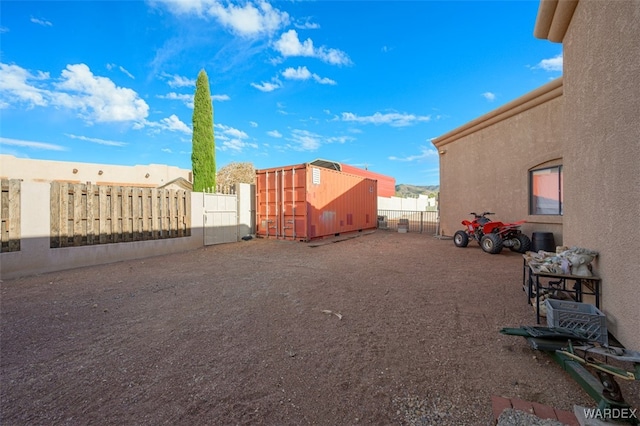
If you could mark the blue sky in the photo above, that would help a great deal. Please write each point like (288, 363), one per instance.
(368, 83)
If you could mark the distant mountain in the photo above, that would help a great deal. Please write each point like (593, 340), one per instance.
(405, 190)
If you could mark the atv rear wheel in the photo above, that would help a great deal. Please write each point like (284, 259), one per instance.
(521, 243)
(461, 239)
(491, 243)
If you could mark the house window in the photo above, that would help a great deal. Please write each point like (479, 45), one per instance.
(546, 191)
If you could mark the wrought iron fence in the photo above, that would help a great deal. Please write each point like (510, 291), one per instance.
(424, 222)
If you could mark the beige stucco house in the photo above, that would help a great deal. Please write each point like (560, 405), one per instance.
(151, 175)
(566, 157)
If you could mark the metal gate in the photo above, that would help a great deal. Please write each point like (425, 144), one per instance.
(418, 221)
(220, 219)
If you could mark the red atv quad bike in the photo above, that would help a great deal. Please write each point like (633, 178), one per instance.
(492, 236)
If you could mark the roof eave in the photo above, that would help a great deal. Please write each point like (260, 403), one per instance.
(553, 19)
(532, 99)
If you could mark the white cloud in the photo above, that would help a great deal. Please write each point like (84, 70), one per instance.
(178, 80)
(235, 145)
(230, 138)
(185, 6)
(121, 68)
(17, 85)
(340, 139)
(185, 99)
(251, 19)
(42, 22)
(289, 45)
(302, 73)
(97, 98)
(489, 96)
(178, 97)
(393, 119)
(305, 140)
(173, 124)
(96, 140)
(167, 150)
(4, 30)
(307, 25)
(231, 131)
(94, 98)
(253, 124)
(333, 56)
(267, 86)
(552, 64)
(274, 134)
(188, 99)
(425, 152)
(31, 144)
(324, 80)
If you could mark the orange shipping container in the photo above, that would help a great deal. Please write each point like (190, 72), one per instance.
(303, 202)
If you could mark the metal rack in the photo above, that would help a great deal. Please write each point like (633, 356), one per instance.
(532, 284)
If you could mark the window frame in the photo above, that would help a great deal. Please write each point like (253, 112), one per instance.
(559, 209)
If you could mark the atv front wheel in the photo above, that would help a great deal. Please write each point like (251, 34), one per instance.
(491, 243)
(461, 239)
(521, 243)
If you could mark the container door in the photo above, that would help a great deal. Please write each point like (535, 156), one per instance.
(293, 206)
(282, 204)
(266, 223)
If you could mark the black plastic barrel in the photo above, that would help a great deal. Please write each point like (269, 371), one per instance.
(543, 241)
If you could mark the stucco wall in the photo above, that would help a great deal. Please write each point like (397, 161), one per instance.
(484, 165)
(602, 152)
(44, 170)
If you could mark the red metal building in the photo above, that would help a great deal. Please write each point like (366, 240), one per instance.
(386, 184)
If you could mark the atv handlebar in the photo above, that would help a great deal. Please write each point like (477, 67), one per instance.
(480, 215)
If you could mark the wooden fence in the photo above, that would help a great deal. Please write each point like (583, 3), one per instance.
(86, 214)
(10, 214)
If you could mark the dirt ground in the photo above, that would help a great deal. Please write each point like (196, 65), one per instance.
(236, 334)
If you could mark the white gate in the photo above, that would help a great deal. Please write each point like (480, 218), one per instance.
(220, 219)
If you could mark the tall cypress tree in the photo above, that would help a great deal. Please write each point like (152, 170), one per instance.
(203, 160)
